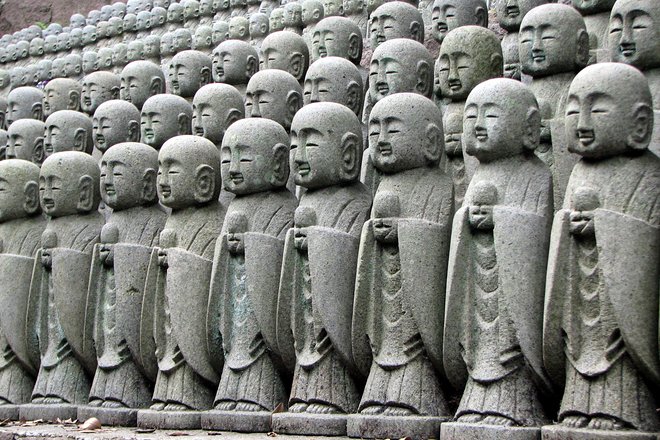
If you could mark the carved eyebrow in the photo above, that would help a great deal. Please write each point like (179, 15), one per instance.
(310, 130)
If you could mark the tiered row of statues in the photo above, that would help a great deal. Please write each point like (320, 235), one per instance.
(309, 218)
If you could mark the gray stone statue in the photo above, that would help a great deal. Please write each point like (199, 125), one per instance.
(239, 28)
(189, 184)
(340, 37)
(135, 51)
(174, 16)
(312, 13)
(468, 56)
(3, 144)
(114, 122)
(158, 21)
(399, 299)
(318, 271)
(334, 79)
(57, 70)
(333, 8)
(25, 140)
(139, 81)
(182, 40)
(203, 39)
(601, 311)
(164, 117)
(58, 330)
(286, 51)
(220, 32)
(151, 49)
(247, 263)
(166, 49)
(5, 83)
(596, 14)
(97, 88)
(395, 20)
(238, 7)
(104, 59)
(206, 12)
(258, 30)
(143, 24)
(61, 94)
(68, 130)
(276, 20)
(215, 108)
(119, 57)
(89, 38)
(117, 279)
(189, 71)
(356, 11)
(273, 94)
(89, 62)
(553, 46)
(448, 15)
(293, 17)
(222, 11)
(130, 27)
(234, 63)
(21, 227)
(496, 274)
(24, 103)
(190, 14)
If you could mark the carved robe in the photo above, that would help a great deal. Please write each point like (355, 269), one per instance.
(493, 318)
(242, 305)
(399, 304)
(185, 375)
(602, 295)
(319, 283)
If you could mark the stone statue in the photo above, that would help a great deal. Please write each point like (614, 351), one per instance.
(77, 21)
(97, 88)
(151, 50)
(222, 11)
(318, 271)
(44, 67)
(395, 20)
(276, 20)
(258, 30)
(143, 24)
(267, 6)
(106, 12)
(448, 15)
(115, 122)
(130, 27)
(26, 141)
(293, 17)
(493, 327)
(203, 39)
(399, 299)
(220, 32)
(510, 14)
(596, 14)
(158, 21)
(247, 263)
(115, 30)
(89, 62)
(119, 57)
(333, 8)
(3, 113)
(3, 144)
(468, 56)
(135, 51)
(104, 59)
(21, 227)
(273, 94)
(61, 94)
(312, 13)
(139, 81)
(57, 70)
(286, 51)
(553, 46)
(239, 28)
(24, 103)
(89, 38)
(37, 48)
(189, 71)
(75, 37)
(234, 62)
(340, 37)
(206, 12)
(189, 184)
(73, 66)
(68, 130)
(175, 16)
(334, 79)
(238, 7)
(118, 274)
(119, 9)
(69, 196)
(166, 49)
(164, 117)
(601, 310)
(633, 40)
(356, 11)
(182, 40)
(191, 14)
(215, 108)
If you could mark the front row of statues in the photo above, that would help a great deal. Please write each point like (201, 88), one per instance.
(339, 314)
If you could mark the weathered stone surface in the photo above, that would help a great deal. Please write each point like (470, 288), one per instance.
(469, 431)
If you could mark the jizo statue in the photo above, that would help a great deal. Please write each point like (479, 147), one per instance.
(61, 94)
(68, 130)
(164, 117)
(448, 15)
(97, 88)
(139, 81)
(215, 108)
(24, 103)
(273, 94)
(596, 15)
(115, 122)
(26, 141)
(395, 20)
(286, 51)
(234, 62)
(189, 71)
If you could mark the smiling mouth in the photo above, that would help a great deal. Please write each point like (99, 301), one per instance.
(385, 149)
(149, 133)
(323, 52)
(49, 204)
(100, 139)
(538, 58)
(383, 88)
(455, 84)
(627, 50)
(303, 169)
(586, 137)
(87, 100)
(220, 71)
(110, 190)
(48, 148)
(165, 191)
(442, 27)
(237, 178)
(199, 131)
(512, 11)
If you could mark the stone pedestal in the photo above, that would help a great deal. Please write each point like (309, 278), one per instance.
(558, 432)
(9, 412)
(109, 416)
(148, 418)
(238, 421)
(415, 427)
(309, 424)
(470, 431)
(51, 412)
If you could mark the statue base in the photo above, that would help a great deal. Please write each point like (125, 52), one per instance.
(558, 432)
(309, 424)
(237, 421)
(372, 426)
(149, 418)
(474, 431)
(9, 412)
(109, 416)
(50, 412)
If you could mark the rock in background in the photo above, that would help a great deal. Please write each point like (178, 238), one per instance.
(18, 14)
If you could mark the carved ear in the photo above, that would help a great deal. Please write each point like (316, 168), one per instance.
(205, 76)
(424, 79)
(297, 65)
(38, 152)
(263, 28)
(77, 69)
(417, 31)
(85, 194)
(582, 49)
(434, 143)
(156, 86)
(37, 111)
(354, 97)
(251, 66)
(351, 157)
(114, 92)
(183, 121)
(532, 135)
(149, 193)
(481, 17)
(133, 131)
(280, 166)
(496, 65)
(354, 48)
(74, 100)
(640, 135)
(233, 115)
(80, 140)
(31, 202)
(204, 184)
(293, 104)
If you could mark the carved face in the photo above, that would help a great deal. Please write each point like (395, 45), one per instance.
(448, 15)
(121, 183)
(175, 13)
(63, 135)
(130, 23)
(317, 156)
(110, 128)
(266, 100)
(12, 197)
(76, 38)
(258, 25)
(182, 40)
(237, 225)
(58, 189)
(120, 55)
(511, 12)
(324, 85)
(55, 98)
(167, 44)
(191, 9)
(72, 66)
(20, 106)
(220, 32)
(37, 47)
(78, 21)
(206, 7)
(93, 95)
(276, 20)
(332, 8)
(26, 141)
(89, 35)
(184, 79)
(151, 47)
(229, 67)
(267, 6)
(245, 167)
(89, 62)
(587, 7)
(135, 51)
(94, 17)
(238, 28)
(635, 33)
(143, 21)
(102, 29)
(293, 15)
(480, 213)
(388, 75)
(176, 179)
(159, 124)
